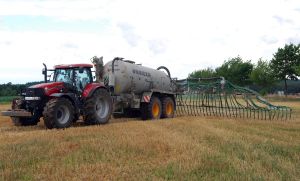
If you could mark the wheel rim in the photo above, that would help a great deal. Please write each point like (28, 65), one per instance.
(62, 114)
(155, 110)
(102, 107)
(169, 108)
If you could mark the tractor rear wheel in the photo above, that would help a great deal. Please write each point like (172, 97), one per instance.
(168, 107)
(24, 121)
(58, 113)
(152, 110)
(98, 108)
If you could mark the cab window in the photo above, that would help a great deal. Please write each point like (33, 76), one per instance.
(63, 75)
(82, 78)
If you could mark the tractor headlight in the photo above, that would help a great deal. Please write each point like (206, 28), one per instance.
(32, 98)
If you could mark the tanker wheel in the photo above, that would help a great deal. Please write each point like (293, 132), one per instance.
(58, 113)
(23, 121)
(168, 107)
(98, 108)
(153, 110)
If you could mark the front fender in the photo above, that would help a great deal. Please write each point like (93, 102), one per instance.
(90, 89)
(70, 96)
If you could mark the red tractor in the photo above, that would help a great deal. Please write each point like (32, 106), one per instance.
(72, 93)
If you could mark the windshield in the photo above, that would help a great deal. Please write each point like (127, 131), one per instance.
(63, 75)
(77, 77)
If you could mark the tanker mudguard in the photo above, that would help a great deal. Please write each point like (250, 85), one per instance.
(146, 97)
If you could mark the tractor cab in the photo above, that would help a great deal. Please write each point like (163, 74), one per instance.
(77, 75)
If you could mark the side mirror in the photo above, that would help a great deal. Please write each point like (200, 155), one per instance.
(43, 71)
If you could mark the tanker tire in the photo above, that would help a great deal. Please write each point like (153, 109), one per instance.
(58, 113)
(152, 110)
(20, 121)
(168, 107)
(98, 108)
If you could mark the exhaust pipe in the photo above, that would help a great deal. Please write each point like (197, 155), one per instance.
(45, 72)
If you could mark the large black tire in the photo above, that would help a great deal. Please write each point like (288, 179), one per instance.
(98, 108)
(168, 107)
(58, 113)
(152, 110)
(23, 121)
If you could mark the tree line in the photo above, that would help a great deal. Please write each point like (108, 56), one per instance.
(264, 75)
(10, 89)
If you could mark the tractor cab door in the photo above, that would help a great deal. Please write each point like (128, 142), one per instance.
(83, 77)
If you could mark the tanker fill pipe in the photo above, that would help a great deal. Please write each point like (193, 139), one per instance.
(166, 69)
(111, 78)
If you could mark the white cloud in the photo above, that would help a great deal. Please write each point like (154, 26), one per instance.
(128, 33)
(182, 35)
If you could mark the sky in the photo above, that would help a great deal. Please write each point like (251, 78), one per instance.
(183, 35)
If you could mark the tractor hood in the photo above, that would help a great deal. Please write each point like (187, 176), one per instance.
(50, 88)
(47, 85)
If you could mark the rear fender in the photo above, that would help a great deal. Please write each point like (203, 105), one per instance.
(90, 89)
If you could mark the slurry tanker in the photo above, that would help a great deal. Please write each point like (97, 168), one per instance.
(136, 87)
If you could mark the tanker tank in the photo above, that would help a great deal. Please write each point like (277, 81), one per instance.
(127, 77)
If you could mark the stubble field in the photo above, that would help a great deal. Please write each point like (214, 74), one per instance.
(183, 148)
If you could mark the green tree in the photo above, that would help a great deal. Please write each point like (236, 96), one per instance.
(262, 75)
(297, 69)
(204, 73)
(236, 71)
(284, 62)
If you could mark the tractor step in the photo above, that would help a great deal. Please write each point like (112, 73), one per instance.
(16, 113)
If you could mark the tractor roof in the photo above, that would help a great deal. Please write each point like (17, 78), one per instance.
(65, 66)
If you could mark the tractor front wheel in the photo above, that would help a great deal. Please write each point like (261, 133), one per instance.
(58, 113)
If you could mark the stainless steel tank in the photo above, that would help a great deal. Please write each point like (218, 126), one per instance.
(128, 77)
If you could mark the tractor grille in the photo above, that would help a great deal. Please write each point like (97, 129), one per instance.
(34, 92)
